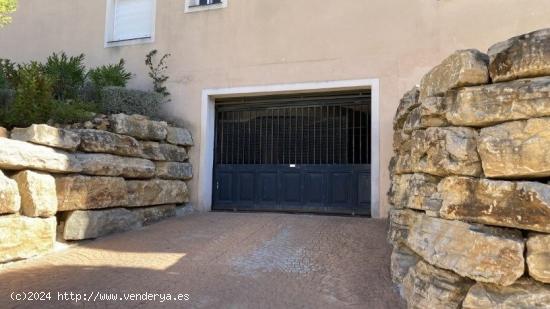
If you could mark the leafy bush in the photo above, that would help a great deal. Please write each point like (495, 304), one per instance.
(157, 72)
(121, 100)
(110, 75)
(8, 74)
(67, 75)
(72, 112)
(6, 97)
(33, 97)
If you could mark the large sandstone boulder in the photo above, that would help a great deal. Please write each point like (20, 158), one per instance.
(401, 141)
(111, 165)
(84, 192)
(538, 256)
(492, 104)
(524, 294)
(23, 237)
(426, 286)
(523, 205)
(156, 192)
(482, 253)
(523, 56)
(179, 136)
(163, 152)
(86, 224)
(17, 155)
(43, 134)
(462, 68)
(402, 260)
(139, 127)
(431, 113)
(174, 170)
(445, 151)
(406, 105)
(38, 193)
(403, 163)
(148, 215)
(413, 191)
(401, 222)
(516, 149)
(107, 142)
(4, 133)
(10, 201)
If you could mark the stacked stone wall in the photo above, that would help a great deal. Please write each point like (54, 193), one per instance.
(87, 180)
(470, 194)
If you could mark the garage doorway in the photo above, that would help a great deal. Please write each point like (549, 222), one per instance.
(296, 153)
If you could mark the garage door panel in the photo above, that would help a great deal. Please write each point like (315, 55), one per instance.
(306, 152)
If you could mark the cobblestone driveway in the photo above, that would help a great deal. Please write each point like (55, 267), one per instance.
(222, 260)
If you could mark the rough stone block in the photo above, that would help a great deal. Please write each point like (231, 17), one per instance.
(412, 190)
(460, 69)
(527, 55)
(522, 205)
(431, 113)
(43, 134)
(38, 193)
(538, 256)
(156, 192)
(426, 286)
(4, 133)
(445, 151)
(524, 294)
(86, 224)
(174, 170)
(148, 215)
(403, 163)
(10, 200)
(111, 165)
(84, 192)
(406, 105)
(516, 149)
(23, 237)
(402, 260)
(179, 136)
(482, 253)
(163, 152)
(492, 104)
(401, 221)
(107, 142)
(139, 127)
(17, 155)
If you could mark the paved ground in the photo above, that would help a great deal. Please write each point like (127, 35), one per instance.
(222, 260)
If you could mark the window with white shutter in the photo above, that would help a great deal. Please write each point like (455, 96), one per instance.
(202, 5)
(130, 22)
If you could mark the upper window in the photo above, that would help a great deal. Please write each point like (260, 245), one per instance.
(202, 5)
(130, 22)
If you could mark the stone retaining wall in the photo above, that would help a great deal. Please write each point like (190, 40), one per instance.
(470, 196)
(88, 180)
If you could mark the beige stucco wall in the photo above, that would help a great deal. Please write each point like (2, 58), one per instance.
(262, 42)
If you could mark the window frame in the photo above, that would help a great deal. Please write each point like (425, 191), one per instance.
(110, 22)
(199, 8)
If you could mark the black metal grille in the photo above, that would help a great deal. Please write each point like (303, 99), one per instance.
(307, 129)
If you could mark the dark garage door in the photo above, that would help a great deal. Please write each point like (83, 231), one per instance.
(306, 153)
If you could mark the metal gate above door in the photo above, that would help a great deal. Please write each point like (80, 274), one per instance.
(300, 153)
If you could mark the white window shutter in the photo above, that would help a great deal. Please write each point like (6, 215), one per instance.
(133, 19)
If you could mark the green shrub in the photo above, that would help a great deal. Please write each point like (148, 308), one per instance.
(69, 112)
(67, 75)
(110, 75)
(6, 97)
(33, 97)
(157, 72)
(121, 100)
(8, 74)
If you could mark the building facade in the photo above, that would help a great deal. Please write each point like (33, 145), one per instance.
(230, 53)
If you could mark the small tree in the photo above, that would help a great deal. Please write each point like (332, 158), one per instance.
(157, 72)
(6, 8)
